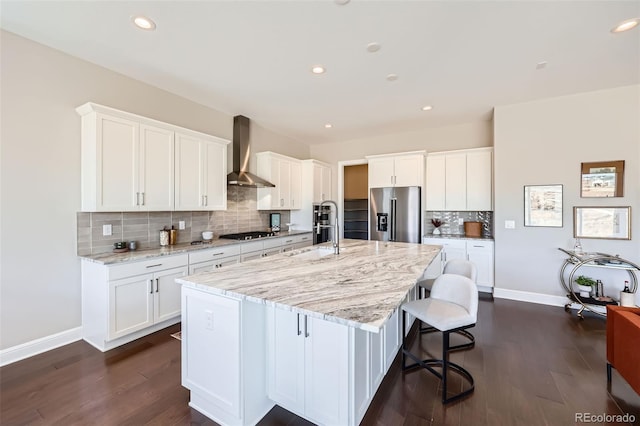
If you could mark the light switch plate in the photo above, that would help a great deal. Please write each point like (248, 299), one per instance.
(106, 230)
(510, 224)
(181, 224)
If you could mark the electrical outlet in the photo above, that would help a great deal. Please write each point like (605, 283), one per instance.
(106, 230)
(208, 315)
(460, 221)
(509, 224)
(181, 224)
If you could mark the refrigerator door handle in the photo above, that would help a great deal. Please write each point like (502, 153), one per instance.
(392, 234)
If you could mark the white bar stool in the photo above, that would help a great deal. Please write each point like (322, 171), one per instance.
(452, 307)
(462, 267)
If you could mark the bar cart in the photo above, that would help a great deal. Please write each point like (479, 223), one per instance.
(577, 260)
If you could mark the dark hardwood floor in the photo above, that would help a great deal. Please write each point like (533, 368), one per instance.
(532, 364)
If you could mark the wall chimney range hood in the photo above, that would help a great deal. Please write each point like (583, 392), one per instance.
(241, 153)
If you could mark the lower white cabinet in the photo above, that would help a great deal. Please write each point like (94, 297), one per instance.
(223, 357)
(208, 260)
(479, 252)
(308, 366)
(321, 370)
(296, 242)
(123, 302)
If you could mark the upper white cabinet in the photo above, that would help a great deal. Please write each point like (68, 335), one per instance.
(201, 174)
(405, 169)
(460, 180)
(286, 174)
(318, 176)
(129, 164)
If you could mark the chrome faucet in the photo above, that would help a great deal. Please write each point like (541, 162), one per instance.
(336, 235)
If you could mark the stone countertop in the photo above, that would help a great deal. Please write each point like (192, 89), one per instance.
(457, 237)
(137, 255)
(361, 287)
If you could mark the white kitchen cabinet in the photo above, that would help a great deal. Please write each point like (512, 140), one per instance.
(478, 251)
(123, 302)
(405, 169)
(481, 253)
(259, 249)
(223, 357)
(285, 173)
(296, 242)
(201, 173)
(308, 366)
(126, 166)
(460, 180)
(318, 175)
(480, 180)
(208, 260)
(128, 163)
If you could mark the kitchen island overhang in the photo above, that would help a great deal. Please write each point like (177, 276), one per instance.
(266, 319)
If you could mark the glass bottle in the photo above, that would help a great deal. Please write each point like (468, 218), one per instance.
(577, 247)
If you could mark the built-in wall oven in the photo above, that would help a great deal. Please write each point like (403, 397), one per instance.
(321, 216)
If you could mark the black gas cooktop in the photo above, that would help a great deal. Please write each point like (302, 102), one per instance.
(248, 235)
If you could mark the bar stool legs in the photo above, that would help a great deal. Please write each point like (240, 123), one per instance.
(444, 363)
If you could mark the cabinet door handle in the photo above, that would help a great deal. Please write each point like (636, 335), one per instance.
(217, 254)
(306, 330)
(142, 196)
(151, 286)
(293, 202)
(153, 266)
(157, 285)
(137, 198)
(298, 325)
(206, 200)
(281, 202)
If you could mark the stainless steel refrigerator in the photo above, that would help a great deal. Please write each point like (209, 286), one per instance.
(395, 214)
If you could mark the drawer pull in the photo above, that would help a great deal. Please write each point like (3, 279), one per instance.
(217, 254)
(289, 241)
(153, 266)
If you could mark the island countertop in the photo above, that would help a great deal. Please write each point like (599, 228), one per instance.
(361, 287)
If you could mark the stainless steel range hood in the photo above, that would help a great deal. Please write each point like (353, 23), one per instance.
(241, 153)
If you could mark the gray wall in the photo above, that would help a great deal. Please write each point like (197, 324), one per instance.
(40, 175)
(544, 142)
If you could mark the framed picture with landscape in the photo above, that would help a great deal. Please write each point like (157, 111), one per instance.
(543, 205)
(611, 223)
(602, 179)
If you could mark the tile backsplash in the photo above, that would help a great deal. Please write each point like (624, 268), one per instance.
(450, 220)
(144, 227)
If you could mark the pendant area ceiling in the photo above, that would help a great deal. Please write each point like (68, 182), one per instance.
(254, 58)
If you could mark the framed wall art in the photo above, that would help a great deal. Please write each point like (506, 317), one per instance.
(613, 223)
(543, 205)
(602, 179)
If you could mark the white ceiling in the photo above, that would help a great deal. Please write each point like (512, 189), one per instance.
(254, 58)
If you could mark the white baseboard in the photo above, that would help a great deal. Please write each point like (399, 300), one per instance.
(35, 347)
(526, 296)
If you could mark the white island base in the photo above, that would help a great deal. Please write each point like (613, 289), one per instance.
(240, 358)
(313, 334)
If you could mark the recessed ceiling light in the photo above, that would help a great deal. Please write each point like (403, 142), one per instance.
(373, 47)
(427, 108)
(318, 69)
(328, 126)
(341, 2)
(392, 77)
(541, 65)
(144, 23)
(626, 25)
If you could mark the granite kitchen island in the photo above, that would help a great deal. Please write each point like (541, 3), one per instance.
(308, 330)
